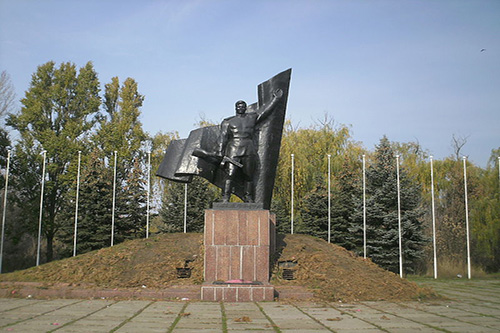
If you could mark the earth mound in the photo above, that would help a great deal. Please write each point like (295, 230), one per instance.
(336, 274)
(330, 271)
(151, 262)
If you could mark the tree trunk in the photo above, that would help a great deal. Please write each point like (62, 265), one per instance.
(50, 247)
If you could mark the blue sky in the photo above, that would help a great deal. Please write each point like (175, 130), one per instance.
(411, 70)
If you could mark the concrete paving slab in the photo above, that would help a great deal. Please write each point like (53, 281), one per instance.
(289, 317)
(109, 317)
(406, 330)
(159, 315)
(143, 329)
(455, 315)
(194, 330)
(348, 323)
(200, 316)
(465, 329)
(9, 304)
(197, 326)
(369, 330)
(302, 330)
(31, 313)
(245, 316)
(476, 309)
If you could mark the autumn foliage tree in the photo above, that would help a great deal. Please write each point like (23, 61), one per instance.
(310, 147)
(58, 113)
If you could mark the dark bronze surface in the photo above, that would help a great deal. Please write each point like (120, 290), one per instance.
(241, 155)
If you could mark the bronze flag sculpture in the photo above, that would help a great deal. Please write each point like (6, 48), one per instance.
(241, 155)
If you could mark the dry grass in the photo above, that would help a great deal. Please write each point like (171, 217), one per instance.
(449, 269)
(151, 263)
(332, 272)
(337, 274)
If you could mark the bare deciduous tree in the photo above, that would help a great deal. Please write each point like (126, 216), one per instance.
(457, 143)
(7, 94)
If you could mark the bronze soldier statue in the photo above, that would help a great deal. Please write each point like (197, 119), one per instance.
(240, 156)
(236, 145)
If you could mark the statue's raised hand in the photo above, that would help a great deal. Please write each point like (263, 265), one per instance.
(278, 93)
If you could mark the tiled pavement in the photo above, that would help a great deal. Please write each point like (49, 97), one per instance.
(473, 306)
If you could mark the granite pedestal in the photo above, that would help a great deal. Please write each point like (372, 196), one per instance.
(238, 246)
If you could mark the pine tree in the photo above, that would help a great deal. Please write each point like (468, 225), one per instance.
(382, 214)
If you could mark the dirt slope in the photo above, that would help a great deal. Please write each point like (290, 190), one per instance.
(332, 272)
(150, 262)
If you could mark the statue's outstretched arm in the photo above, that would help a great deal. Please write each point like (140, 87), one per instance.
(268, 108)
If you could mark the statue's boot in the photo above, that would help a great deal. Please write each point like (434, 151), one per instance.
(226, 192)
(248, 192)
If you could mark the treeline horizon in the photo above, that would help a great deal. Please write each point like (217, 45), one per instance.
(64, 111)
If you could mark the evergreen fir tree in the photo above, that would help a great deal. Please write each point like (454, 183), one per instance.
(172, 210)
(315, 212)
(4, 144)
(344, 192)
(282, 211)
(382, 214)
(131, 220)
(95, 206)
(200, 195)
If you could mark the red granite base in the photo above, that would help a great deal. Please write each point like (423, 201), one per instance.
(237, 293)
(238, 244)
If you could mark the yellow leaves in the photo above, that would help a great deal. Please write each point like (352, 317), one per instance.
(310, 147)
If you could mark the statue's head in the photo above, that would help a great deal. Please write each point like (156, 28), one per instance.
(241, 107)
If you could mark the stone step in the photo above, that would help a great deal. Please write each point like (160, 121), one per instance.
(293, 293)
(66, 290)
(237, 293)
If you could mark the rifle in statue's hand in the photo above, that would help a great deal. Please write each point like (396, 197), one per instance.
(215, 158)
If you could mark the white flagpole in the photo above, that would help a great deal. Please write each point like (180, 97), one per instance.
(41, 211)
(467, 217)
(76, 204)
(433, 221)
(114, 203)
(185, 206)
(149, 194)
(364, 206)
(291, 209)
(399, 221)
(4, 207)
(329, 201)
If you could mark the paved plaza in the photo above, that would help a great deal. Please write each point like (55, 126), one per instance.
(471, 306)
